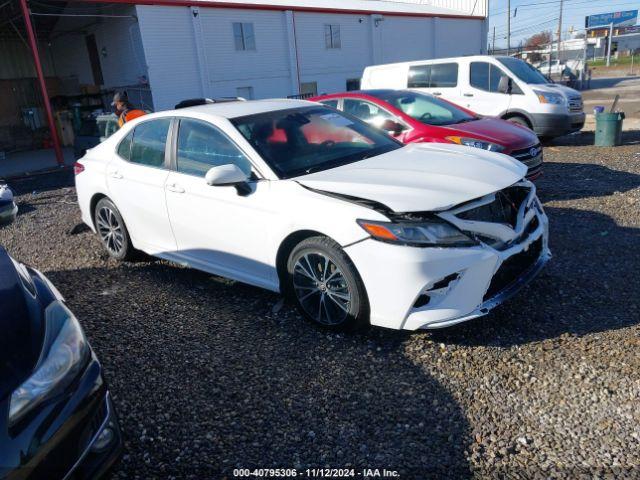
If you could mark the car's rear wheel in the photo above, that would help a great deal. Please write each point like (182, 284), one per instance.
(112, 231)
(326, 286)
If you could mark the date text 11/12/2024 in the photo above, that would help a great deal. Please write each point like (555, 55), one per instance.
(315, 473)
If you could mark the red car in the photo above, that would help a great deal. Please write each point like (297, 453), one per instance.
(418, 117)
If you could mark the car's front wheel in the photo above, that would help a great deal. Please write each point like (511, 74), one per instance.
(112, 231)
(325, 285)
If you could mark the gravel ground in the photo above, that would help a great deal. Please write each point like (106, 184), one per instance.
(208, 375)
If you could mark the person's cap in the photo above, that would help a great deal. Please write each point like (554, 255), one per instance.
(119, 97)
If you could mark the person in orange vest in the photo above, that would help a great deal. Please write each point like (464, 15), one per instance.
(124, 109)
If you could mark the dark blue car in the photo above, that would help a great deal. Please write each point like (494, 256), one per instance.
(56, 417)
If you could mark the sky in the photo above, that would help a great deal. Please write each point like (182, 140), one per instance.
(534, 16)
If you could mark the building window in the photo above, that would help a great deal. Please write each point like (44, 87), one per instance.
(245, 92)
(243, 36)
(332, 36)
(353, 84)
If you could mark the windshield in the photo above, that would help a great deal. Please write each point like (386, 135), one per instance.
(310, 139)
(426, 108)
(523, 71)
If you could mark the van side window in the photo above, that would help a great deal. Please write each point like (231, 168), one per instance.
(444, 75)
(419, 76)
(485, 76)
(441, 75)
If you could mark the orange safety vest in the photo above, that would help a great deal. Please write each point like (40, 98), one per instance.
(129, 115)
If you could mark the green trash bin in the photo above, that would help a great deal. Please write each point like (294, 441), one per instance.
(609, 129)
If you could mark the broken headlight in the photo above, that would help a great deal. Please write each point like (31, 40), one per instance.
(436, 233)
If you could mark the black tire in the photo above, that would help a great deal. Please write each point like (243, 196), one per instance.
(518, 120)
(118, 244)
(340, 299)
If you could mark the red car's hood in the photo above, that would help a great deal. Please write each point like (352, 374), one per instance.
(513, 137)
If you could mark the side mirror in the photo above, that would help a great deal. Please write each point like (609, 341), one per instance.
(505, 85)
(8, 207)
(392, 126)
(228, 175)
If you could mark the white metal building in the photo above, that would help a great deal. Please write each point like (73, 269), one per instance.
(261, 48)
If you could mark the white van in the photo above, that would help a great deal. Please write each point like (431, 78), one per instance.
(504, 87)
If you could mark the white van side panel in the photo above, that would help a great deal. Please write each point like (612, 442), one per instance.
(385, 76)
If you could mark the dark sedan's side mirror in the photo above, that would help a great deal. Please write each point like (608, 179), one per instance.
(393, 127)
(8, 208)
(505, 85)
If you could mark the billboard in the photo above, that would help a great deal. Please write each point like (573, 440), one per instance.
(619, 19)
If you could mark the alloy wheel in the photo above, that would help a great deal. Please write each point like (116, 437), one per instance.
(110, 230)
(321, 288)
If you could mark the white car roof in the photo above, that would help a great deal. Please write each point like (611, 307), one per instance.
(236, 109)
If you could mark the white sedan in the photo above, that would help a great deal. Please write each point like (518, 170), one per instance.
(301, 199)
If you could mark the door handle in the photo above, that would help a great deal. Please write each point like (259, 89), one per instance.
(437, 94)
(115, 174)
(175, 188)
(468, 94)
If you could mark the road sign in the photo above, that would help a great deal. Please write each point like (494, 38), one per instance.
(619, 19)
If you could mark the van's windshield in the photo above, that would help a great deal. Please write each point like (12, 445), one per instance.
(523, 71)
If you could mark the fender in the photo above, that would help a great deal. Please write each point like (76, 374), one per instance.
(519, 112)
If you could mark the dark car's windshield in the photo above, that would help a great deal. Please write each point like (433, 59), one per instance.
(523, 71)
(309, 139)
(425, 108)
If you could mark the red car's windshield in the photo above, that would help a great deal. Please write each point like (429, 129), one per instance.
(425, 108)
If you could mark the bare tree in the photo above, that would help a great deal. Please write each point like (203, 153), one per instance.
(538, 40)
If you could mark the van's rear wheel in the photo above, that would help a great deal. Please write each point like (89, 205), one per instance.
(326, 286)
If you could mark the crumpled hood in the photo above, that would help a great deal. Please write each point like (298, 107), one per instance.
(421, 177)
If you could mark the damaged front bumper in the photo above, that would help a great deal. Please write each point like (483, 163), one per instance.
(425, 288)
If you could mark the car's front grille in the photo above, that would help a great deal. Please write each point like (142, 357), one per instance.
(503, 209)
(513, 268)
(575, 103)
(531, 157)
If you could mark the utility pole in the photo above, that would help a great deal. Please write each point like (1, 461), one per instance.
(493, 43)
(560, 35)
(508, 27)
(583, 72)
(609, 45)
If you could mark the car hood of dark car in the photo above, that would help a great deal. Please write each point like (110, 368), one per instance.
(21, 324)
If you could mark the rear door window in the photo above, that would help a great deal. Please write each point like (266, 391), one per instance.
(124, 148)
(149, 142)
(367, 111)
(330, 103)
